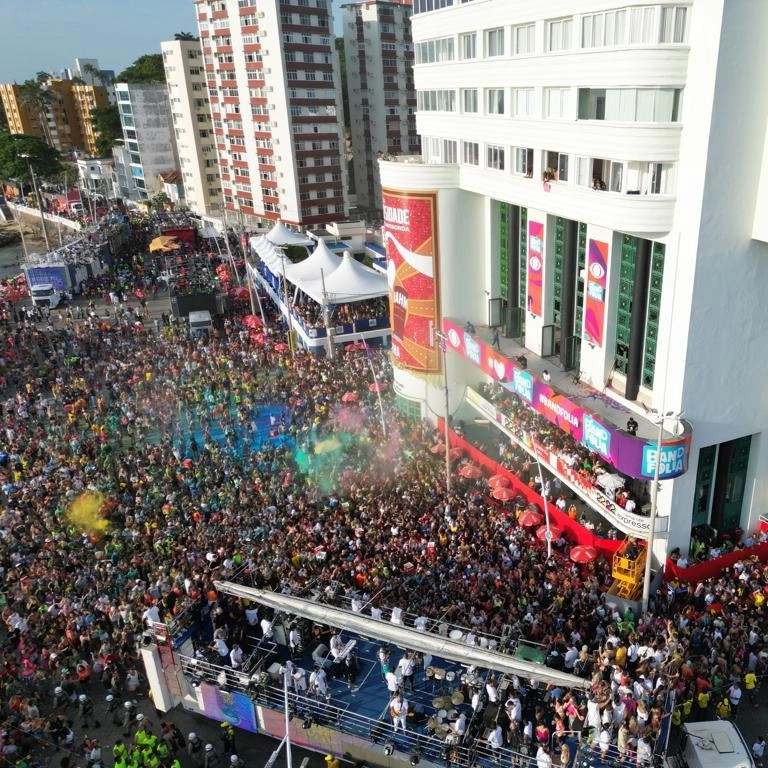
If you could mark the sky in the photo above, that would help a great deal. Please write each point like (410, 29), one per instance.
(47, 35)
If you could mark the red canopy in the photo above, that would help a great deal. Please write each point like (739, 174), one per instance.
(471, 472)
(377, 387)
(541, 533)
(583, 553)
(529, 518)
(349, 397)
(499, 481)
(251, 321)
(503, 494)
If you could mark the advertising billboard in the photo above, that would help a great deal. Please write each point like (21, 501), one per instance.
(535, 266)
(410, 227)
(594, 301)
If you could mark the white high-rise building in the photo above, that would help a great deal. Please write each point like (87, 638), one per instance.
(593, 181)
(192, 126)
(273, 85)
(378, 51)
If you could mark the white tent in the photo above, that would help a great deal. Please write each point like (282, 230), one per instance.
(281, 235)
(322, 258)
(351, 281)
(270, 255)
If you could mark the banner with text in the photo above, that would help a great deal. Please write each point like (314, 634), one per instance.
(594, 302)
(535, 266)
(410, 237)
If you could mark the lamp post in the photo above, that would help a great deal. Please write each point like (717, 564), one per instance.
(38, 197)
(444, 350)
(546, 510)
(662, 417)
(286, 670)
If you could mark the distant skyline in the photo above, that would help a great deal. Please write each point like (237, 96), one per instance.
(48, 35)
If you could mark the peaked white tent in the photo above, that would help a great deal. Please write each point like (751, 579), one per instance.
(281, 235)
(269, 254)
(322, 258)
(351, 281)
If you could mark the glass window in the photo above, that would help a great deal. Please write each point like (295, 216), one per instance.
(469, 100)
(470, 152)
(673, 20)
(522, 102)
(468, 45)
(524, 37)
(641, 25)
(494, 42)
(559, 34)
(495, 157)
(494, 101)
(524, 161)
(557, 102)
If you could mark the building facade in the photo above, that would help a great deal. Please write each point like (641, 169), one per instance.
(584, 187)
(149, 145)
(193, 126)
(378, 52)
(66, 123)
(273, 80)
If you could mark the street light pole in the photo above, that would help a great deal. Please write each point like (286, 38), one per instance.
(38, 197)
(662, 417)
(444, 350)
(546, 510)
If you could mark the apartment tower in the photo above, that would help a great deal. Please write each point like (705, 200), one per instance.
(272, 77)
(378, 52)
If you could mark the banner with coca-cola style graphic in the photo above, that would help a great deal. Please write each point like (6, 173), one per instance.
(597, 277)
(410, 226)
(535, 266)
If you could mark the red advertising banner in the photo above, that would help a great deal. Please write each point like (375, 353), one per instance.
(410, 225)
(535, 266)
(597, 277)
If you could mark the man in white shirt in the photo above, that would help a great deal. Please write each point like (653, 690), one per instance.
(236, 656)
(398, 710)
(496, 738)
(543, 758)
(492, 691)
(459, 726)
(405, 671)
(318, 684)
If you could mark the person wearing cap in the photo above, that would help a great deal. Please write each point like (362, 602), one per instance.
(129, 718)
(210, 757)
(236, 762)
(60, 698)
(332, 762)
(227, 738)
(195, 748)
(85, 710)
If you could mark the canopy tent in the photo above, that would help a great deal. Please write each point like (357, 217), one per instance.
(402, 636)
(322, 258)
(269, 254)
(281, 235)
(351, 281)
(610, 482)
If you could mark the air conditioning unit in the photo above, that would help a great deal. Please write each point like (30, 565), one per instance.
(273, 124)
(269, 89)
(282, 190)
(275, 141)
(279, 159)
(261, 15)
(267, 71)
(272, 106)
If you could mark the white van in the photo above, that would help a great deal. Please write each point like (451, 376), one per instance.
(711, 744)
(200, 323)
(45, 295)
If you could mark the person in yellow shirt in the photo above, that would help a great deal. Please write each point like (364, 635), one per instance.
(750, 686)
(723, 709)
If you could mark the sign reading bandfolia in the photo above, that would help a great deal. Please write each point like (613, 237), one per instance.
(671, 461)
(631, 455)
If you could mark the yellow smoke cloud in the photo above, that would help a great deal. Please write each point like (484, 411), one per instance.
(85, 513)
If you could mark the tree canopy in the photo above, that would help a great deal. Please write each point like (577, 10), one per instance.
(146, 69)
(185, 36)
(37, 97)
(106, 126)
(43, 159)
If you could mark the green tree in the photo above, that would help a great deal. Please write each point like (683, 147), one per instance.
(158, 201)
(185, 36)
(146, 69)
(35, 95)
(43, 159)
(106, 126)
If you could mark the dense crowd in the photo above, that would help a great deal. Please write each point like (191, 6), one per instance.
(166, 429)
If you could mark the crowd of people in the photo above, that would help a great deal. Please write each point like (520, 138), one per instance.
(164, 431)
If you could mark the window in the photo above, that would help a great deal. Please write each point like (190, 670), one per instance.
(555, 166)
(650, 178)
(494, 42)
(557, 103)
(524, 161)
(603, 29)
(469, 100)
(436, 101)
(559, 34)
(468, 45)
(673, 24)
(521, 102)
(470, 152)
(495, 157)
(641, 25)
(642, 105)
(431, 51)
(494, 101)
(524, 39)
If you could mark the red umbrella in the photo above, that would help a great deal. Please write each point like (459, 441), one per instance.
(439, 448)
(251, 321)
(354, 346)
(456, 453)
(281, 347)
(349, 397)
(499, 481)
(240, 293)
(259, 338)
(380, 387)
(503, 494)
(583, 554)
(529, 518)
(471, 472)
(541, 533)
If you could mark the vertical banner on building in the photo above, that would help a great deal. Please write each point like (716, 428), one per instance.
(594, 301)
(535, 267)
(410, 226)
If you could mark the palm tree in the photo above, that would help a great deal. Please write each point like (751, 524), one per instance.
(38, 98)
(185, 36)
(96, 74)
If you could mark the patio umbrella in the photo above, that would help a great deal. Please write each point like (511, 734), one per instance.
(240, 294)
(439, 448)
(455, 453)
(377, 386)
(583, 553)
(281, 347)
(541, 533)
(471, 472)
(499, 481)
(529, 518)
(259, 338)
(251, 321)
(354, 346)
(349, 397)
(503, 494)
(164, 243)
